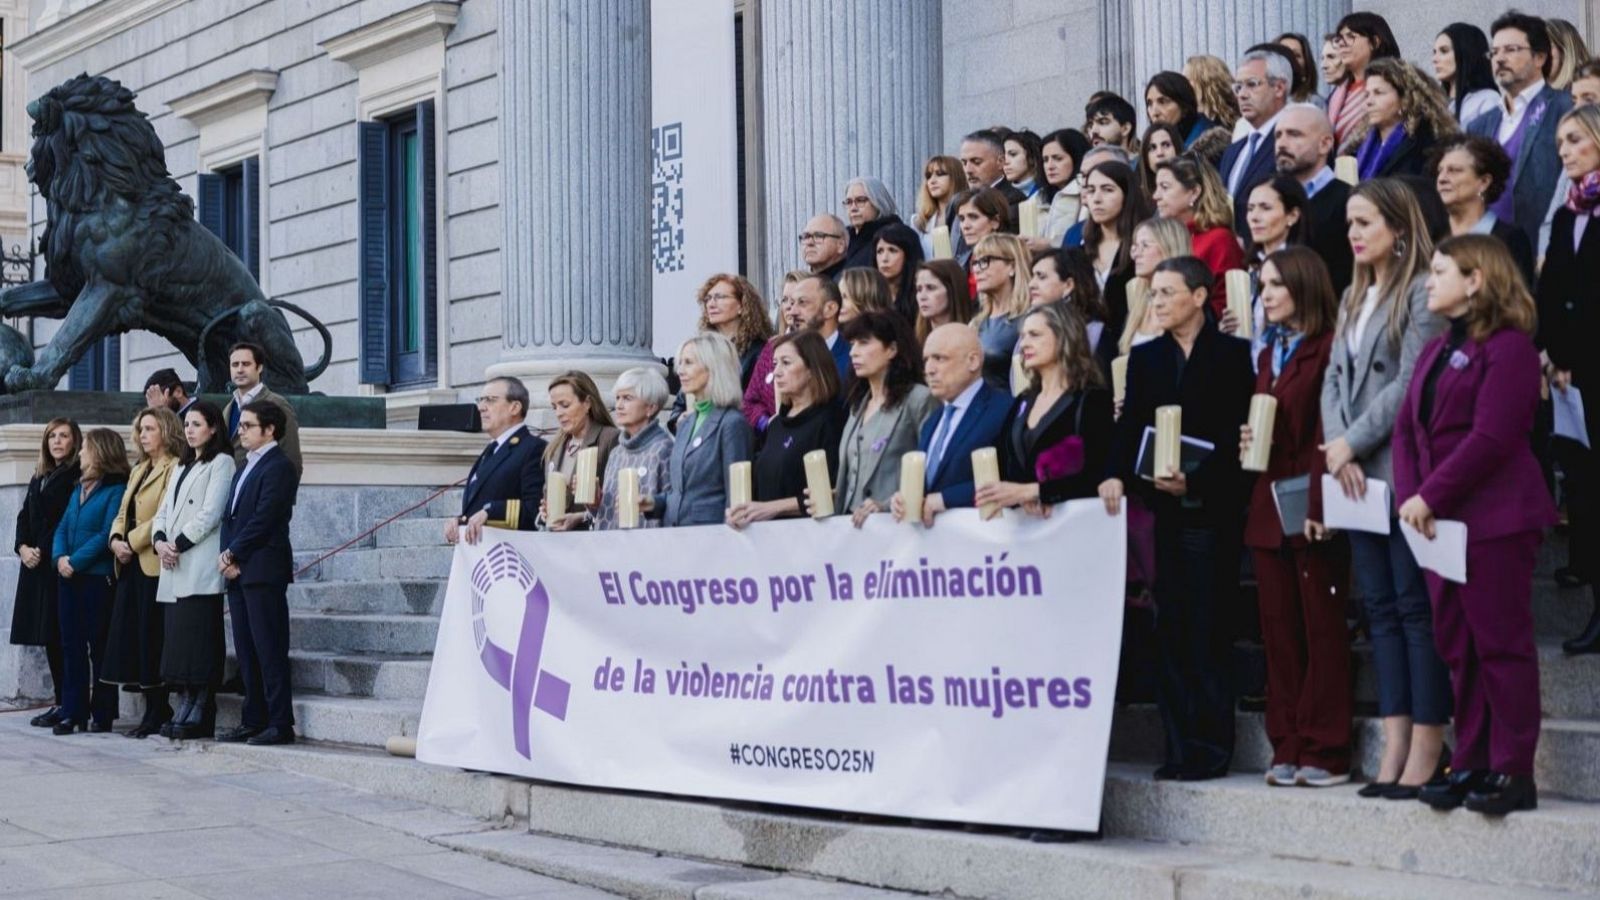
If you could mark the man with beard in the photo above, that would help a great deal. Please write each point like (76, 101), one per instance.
(1304, 138)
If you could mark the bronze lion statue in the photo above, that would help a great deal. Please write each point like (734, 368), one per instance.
(122, 251)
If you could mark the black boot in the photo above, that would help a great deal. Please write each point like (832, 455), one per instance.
(1589, 640)
(157, 712)
(179, 716)
(202, 719)
(1501, 794)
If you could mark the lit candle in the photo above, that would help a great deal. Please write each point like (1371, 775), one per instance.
(1028, 217)
(555, 496)
(913, 475)
(818, 482)
(1019, 376)
(586, 476)
(986, 470)
(739, 484)
(1119, 378)
(628, 498)
(1344, 169)
(1169, 439)
(1263, 410)
(941, 243)
(1237, 284)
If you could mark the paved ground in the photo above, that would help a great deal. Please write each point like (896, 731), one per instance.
(100, 815)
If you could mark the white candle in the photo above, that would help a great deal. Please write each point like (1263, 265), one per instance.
(819, 483)
(1028, 217)
(1169, 439)
(1020, 380)
(1263, 411)
(913, 476)
(628, 498)
(555, 496)
(986, 470)
(585, 476)
(739, 484)
(1345, 169)
(1119, 378)
(1237, 283)
(941, 243)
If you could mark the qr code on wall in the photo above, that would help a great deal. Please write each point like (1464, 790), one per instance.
(666, 197)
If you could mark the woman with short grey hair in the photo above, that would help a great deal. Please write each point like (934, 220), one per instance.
(645, 446)
(869, 208)
(712, 435)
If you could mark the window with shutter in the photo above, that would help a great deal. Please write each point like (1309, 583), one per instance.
(398, 245)
(229, 207)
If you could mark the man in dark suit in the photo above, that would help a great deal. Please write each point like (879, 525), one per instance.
(823, 245)
(1199, 511)
(258, 563)
(970, 415)
(1525, 123)
(1304, 138)
(507, 482)
(1262, 85)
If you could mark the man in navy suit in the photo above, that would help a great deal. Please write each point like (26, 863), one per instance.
(258, 563)
(816, 306)
(506, 483)
(1262, 85)
(1524, 123)
(970, 416)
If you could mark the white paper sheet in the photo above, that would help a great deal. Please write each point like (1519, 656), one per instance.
(1569, 415)
(1446, 554)
(1370, 513)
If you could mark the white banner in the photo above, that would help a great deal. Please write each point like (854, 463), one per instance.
(694, 209)
(965, 672)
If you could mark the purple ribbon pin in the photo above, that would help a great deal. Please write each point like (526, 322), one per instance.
(529, 685)
(1459, 360)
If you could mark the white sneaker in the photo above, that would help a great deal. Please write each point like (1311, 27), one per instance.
(1281, 775)
(1311, 776)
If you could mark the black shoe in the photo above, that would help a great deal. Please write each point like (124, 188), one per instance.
(202, 719)
(101, 727)
(1501, 794)
(1168, 772)
(185, 709)
(1589, 640)
(1375, 789)
(1451, 791)
(66, 727)
(1571, 577)
(46, 719)
(238, 735)
(1399, 791)
(166, 729)
(272, 736)
(1201, 774)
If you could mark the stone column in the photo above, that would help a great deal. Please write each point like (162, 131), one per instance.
(1167, 32)
(847, 88)
(575, 179)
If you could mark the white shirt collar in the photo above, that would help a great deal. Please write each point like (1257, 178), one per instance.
(243, 400)
(1521, 100)
(506, 436)
(255, 455)
(1266, 129)
(964, 399)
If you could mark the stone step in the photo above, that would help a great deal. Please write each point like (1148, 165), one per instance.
(362, 633)
(1551, 847)
(939, 860)
(1567, 764)
(383, 676)
(413, 531)
(1559, 613)
(419, 597)
(365, 721)
(369, 563)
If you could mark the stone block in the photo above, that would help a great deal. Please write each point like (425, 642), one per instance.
(345, 720)
(471, 103)
(291, 196)
(388, 597)
(475, 145)
(477, 277)
(363, 633)
(315, 230)
(470, 189)
(472, 60)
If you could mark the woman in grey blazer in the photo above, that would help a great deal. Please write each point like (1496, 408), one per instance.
(887, 406)
(1384, 324)
(712, 435)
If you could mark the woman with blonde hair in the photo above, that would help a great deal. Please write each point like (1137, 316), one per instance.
(710, 438)
(1154, 240)
(1192, 192)
(1383, 325)
(1406, 118)
(134, 640)
(584, 422)
(862, 290)
(1568, 52)
(942, 179)
(730, 304)
(1212, 80)
(1000, 266)
(35, 617)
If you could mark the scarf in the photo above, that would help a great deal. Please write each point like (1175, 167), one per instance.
(1374, 154)
(1584, 194)
(702, 411)
(1284, 341)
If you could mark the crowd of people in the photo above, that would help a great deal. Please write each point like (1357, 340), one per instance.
(1397, 263)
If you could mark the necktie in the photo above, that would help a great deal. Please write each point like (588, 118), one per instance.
(233, 420)
(941, 436)
(1243, 163)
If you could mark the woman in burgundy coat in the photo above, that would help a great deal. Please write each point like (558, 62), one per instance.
(1302, 618)
(1462, 452)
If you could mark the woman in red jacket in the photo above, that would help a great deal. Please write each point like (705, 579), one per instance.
(1192, 192)
(1302, 616)
(1461, 452)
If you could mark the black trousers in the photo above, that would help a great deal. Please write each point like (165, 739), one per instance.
(260, 614)
(1194, 568)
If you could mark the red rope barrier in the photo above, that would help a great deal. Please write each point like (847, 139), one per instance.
(370, 531)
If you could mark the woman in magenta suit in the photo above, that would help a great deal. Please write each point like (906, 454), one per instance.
(1462, 452)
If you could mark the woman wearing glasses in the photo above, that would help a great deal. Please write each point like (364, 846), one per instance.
(870, 208)
(1360, 38)
(1000, 265)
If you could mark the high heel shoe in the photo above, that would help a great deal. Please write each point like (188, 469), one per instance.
(1441, 773)
(67, 727)
(1376, 788)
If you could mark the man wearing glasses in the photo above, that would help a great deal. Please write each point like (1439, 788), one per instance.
(823, 244)
(1524, 123)
(506, 483)
(1262, 85)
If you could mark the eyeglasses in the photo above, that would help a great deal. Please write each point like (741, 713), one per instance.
(487, 399)
(857, 201)
(246, 426)
(812, 237)
(723, 298)
(1508, 50)
(1345, 38)
(984, 262)
(1253, 84)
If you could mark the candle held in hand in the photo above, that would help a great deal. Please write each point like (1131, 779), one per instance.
(913, 476)
(1263, 412)
(555, 496)
(1237, 283)
(739, 484)
(1345, 169)
(1169, 440)
(586, 476)
(628, 498)
(819, 483)
(1119, 378)
(941, 243)
(986, 470)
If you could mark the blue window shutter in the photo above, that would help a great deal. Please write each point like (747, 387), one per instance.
(430, 238)
(112, 376)
(252, 217)
(81, 376)
(373, 187)
(210, 206)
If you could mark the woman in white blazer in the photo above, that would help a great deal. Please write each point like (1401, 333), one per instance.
(188, 538)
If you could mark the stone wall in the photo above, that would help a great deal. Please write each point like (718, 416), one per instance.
(1416, 25)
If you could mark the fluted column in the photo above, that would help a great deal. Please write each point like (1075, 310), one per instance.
(575, 173)
(848, 88)
(1167, 32)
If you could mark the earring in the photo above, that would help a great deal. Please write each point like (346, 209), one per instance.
(1399, 247)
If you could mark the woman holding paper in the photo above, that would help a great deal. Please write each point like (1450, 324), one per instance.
(1383, 325)
(1461, 452)
(1302, 616)
(808, 380)
(1193, 193)
(887, 404)
(1055, 440)
(645, 447)
(711, 437)
(585, 426)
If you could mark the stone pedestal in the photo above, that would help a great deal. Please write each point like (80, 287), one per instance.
(575, 162)
(847, 88)
(118, 408)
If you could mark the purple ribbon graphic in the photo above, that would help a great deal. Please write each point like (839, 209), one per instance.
(529, 685)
